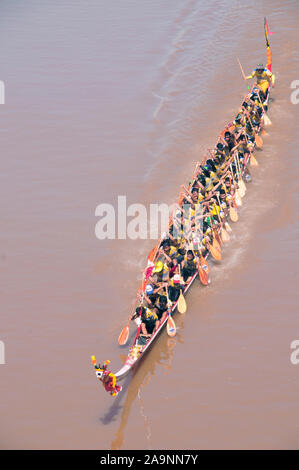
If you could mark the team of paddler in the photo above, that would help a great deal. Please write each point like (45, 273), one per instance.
(199, 223)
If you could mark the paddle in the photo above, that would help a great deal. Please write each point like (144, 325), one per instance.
(171, 328)
(182, 306)
(253, 160)
(215, 248)
(226, 224)
(204, 264)
(267, 120)
(233, 214)
(257, 138)
(203, 270)
(124, 335)
(216, 239)
(227, 227)
(216, 254)
(237, 196)
(241, 184)
(244, 76)
(203, 275)
(224, 235)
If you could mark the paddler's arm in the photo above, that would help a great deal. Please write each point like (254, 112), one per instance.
(144, 330)
(158, 289)
(162, 252)
(235, 148)
(147, 299)
(186, 196)
(152, 281)
(251, 76)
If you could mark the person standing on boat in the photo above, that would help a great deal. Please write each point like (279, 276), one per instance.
(263, 78)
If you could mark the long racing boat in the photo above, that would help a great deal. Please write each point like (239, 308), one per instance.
(236, 170)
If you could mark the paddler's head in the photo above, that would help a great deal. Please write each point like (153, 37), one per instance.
(190, 255)
(222, 194)
(201, 179)
(238, 119)
(227, 136)
(260, 68)
(140, 311)
(211, 164)
(149, 289)
(162, 300)
(194, 194)
(248, 127)
(206, 171)
(166, 246)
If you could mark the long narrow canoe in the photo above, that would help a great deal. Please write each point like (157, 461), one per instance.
(138, 350)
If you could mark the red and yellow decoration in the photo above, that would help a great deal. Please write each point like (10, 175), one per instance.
(107, 378)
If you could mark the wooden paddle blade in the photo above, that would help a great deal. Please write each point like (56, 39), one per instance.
(227, 227)
(153, 252)
(216, 245)
(241, 192)
(253, 161)
(124, 335)
(217, 240)
(267, 120)
(242, 186)
(233, 214)
(216, 254)
(238, 199)
(171, 328)
(224, 235)
(204, 265)
(258, 141)
(203, 276)
(182, 306)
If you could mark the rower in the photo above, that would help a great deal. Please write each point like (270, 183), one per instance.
(229, 140)
(175, 287)
(149, 321)
(150, 295)
(263, 78)
(189, 266)
(161, 306)
(168, 250)
(220, 152)
(239, 125)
